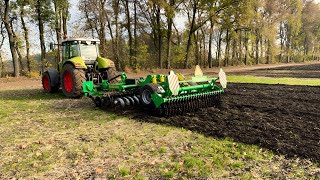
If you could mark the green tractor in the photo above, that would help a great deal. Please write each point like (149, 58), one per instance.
(80, 62)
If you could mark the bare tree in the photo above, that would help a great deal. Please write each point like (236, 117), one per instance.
(22, 4)
(2, 38)
(12, 40)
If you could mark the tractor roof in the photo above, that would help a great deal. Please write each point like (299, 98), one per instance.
(80, 39)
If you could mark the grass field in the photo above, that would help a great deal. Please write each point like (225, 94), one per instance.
(49, 136)
(271, 80)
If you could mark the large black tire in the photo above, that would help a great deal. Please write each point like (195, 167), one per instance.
(145, 94)
(71, 81)
(112, 75)
(47, 84)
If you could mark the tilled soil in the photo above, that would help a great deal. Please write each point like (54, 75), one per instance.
(284, 119)
(301, 71)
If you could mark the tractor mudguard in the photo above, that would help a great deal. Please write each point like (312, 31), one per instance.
(104, 63)
(54, 76)
(78, 62)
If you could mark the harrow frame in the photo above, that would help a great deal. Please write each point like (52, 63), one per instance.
(199, 92)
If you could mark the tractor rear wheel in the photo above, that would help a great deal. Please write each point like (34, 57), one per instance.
(72, 80)
(47, 84)
(145, 94)
(112, 75)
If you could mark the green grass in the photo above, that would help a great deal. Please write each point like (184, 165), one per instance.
(47, 136)
(269, 80)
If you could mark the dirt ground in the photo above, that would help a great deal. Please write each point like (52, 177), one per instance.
(256, 70)
(284, 119)
(302, 71)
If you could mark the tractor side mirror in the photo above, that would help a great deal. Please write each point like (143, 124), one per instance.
(51, 46)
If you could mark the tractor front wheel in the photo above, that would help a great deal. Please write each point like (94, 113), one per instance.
(47, 84)
(72, 80)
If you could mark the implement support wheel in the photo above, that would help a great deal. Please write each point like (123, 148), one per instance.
(145, 94)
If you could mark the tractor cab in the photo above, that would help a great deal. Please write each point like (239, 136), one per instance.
(87, 49)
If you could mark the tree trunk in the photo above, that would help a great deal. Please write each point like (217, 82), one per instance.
(65, 13)
(195, 37)
(226, 61)
(210, 45)
(2, 66)
(1, 44)
(288, 50)
(219, 47)
(158, 16)
(116, 11)
(269, 56)
(113, 45)
(169, 34)
(41, 34)
(191, 31)
(262, 54)
(102, 32)
(247, 49)
(204, 62)
(20, 59)
(240, 46)
(257, 47)
(281, 41)
(135, 33)
(26, 38)
(12, 40)
(58, 29)
(234, 51)
(306, 47)
(129, 33)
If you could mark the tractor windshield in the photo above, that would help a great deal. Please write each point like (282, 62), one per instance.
(88, 51)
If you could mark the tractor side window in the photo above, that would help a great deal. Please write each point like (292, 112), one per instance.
(65, 54)
(74, 50)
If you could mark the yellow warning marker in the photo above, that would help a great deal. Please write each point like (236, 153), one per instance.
(162, 78)
(198, 71)
(180, 77)
(154, 79)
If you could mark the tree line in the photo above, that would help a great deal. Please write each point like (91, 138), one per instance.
(140, 34)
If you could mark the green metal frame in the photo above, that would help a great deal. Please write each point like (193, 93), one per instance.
(185, 91)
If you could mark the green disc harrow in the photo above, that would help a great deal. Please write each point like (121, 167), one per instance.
(164, 94)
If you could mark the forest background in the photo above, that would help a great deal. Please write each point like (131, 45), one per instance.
(148, 34)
